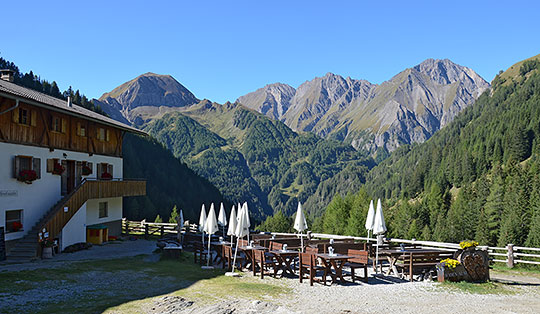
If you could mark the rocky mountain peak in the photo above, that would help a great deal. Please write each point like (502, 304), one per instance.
(272, 100)
(143, 93)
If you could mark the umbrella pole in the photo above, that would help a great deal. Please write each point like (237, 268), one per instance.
(302, 242)
(208, 256)
(377, 259)
(235, 252)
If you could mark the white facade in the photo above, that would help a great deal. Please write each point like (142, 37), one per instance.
(37, 198)
(75, 230)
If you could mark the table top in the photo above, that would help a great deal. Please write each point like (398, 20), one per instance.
(287, 252)
(255, 247)
(335, 256)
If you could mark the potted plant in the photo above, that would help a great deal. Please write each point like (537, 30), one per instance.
(27, 176)
(58, 169)
(451, 270)
(106, 176)
(16, 226)
(86, 170)
(47, 245)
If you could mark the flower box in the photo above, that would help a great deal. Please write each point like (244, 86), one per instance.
(27, 176)
(58, 169)
(454, 274)
(106, 176)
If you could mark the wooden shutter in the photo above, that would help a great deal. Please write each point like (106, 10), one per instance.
(16, 115)
(16, 166)
(36, 166)
(98, 173)
(64, 126)
(50, 165)
(78, 172)
(78, 129)
(89, 165)
(107, 135)
(110, 169)
(33, 118)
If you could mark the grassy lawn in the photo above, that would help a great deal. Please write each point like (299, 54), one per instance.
(120, 285)
(523, 270)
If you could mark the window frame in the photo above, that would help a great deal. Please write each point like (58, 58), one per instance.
(105, 210)
(20, 220)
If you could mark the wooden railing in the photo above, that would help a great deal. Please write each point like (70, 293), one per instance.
(62, 212)
(526, 255)
(153, 228)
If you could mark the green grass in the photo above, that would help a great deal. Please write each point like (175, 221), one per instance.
(478, 288)
(529, 270)
(129, 285)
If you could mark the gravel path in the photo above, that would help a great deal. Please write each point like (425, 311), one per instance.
(108, 251)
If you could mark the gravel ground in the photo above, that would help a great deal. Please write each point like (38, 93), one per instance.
(107, 251)
(378, 296)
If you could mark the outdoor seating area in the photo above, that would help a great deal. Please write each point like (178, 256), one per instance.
(319, 261)
(302, 256)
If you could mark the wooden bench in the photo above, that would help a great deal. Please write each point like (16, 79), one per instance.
(420, 263)
(264, 263)
(360, 259)
(308, 266)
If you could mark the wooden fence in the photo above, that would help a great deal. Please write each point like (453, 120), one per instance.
(153, 228)
(511, 254)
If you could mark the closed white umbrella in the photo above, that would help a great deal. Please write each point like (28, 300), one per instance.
(232, 224)
(210, 227)
(370, 220)
(300, 223)
(379, 228)
(241, 231)
(222, 218)
(202, 221)
(246, 214)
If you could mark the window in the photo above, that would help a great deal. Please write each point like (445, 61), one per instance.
(22, 163)
(59, 125)
(14, 220)
(104, 171)
(102, 134)
(81, 130)
(23, 116)
(103, 209)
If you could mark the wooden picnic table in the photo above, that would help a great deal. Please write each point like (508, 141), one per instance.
(336, 262)
(248, 250)
(393, 256)
(218, 247)
(284, 259)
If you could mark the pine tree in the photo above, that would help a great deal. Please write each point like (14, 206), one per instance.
(493, 210)
(482, 229)
(426, 234)
(174, 215)
(358, 214)
(158, 219)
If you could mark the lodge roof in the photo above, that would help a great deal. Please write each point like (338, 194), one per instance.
(61, 105)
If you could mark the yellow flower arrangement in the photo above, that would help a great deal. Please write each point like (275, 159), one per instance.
(466, 244)
(451, 263)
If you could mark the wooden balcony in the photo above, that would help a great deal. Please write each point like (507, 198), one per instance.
(55, 220)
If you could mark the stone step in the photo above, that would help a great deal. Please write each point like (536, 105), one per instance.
(22, 254)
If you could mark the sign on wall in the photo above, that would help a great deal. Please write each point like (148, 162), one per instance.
(8, 193)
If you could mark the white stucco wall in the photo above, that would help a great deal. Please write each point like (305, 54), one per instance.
(37, 198)
(92, 210)
(75, 230)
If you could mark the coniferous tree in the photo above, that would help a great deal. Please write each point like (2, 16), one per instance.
(158, 219)
(174, 215)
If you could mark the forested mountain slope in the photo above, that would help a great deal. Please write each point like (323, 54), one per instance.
(478, 177)
(251, 157)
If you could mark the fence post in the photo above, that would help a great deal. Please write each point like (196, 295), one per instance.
(162, 230)
(510, 256)
(146, 231)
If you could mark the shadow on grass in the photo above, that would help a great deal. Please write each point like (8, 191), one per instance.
(95, 286)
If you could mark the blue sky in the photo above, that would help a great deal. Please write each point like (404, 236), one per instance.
(221, 50)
